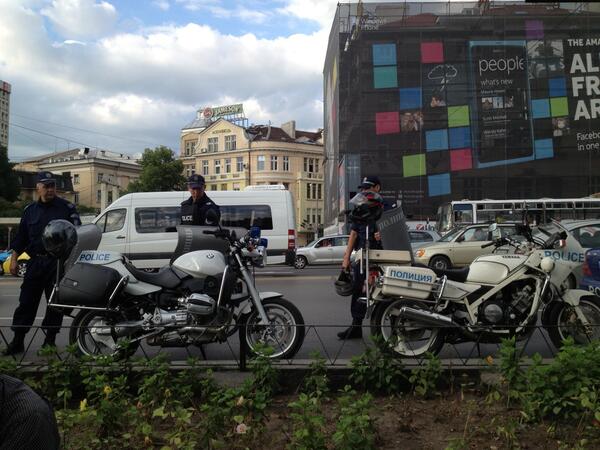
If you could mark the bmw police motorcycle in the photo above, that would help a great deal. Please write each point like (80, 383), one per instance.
(202, 296)
(416, 309)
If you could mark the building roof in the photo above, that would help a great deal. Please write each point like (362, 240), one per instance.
(276, 134)
(79, 154)
(198, 122)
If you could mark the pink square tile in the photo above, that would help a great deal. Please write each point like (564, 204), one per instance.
(387, 122)
(432, 52)
(461, 159)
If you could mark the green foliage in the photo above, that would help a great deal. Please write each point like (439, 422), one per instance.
(160, 172)
(316, 384)
(308, 424)
(510, 367)
(9, 182)
(425, 378)
(354, 426)
(377, 370)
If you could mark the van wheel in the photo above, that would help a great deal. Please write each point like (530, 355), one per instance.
(300, 262)
(439, 262)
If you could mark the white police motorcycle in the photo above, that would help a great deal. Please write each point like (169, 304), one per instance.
(202, 296)
(416, 309)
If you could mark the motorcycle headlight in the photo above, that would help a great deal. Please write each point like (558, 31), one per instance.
(420, 253)
(547, 264)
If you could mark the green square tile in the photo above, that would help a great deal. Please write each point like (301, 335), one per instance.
(385, 77)
(559, 106)
(414, 165)
(458, 116)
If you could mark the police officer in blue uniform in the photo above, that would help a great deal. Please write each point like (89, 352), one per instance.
(356, 241)
(41, 268)
(194, 209)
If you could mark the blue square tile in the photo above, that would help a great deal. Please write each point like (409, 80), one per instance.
(384, 54)
(544, 149)
(410, 98)
(540, 108)
(460, 137)
(439, 184)
(557, 87)
(436, 140)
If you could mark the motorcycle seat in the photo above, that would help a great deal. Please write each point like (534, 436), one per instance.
(459, 275)
(165, 277)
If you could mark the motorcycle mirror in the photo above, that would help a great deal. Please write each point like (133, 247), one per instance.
(560, 243)
(212, 218)
(254, 232)
(563, 235)
(460, 239)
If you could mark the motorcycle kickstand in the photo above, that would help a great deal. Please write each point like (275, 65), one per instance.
(478, 350)
(201, 347)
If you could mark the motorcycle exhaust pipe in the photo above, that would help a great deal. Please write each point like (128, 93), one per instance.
(124, 328)
(426, 317)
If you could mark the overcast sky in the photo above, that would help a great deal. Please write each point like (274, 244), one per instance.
(136, 71)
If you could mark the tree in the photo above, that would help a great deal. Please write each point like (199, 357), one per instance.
(160, 172)
(9, 182)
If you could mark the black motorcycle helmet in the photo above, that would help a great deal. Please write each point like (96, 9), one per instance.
(343, 285)
(366, 207)
(59, 238)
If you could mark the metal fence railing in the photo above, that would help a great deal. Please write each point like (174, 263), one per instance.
(322, 339)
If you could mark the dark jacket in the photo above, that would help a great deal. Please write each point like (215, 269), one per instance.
(195, 213)
(35, 218)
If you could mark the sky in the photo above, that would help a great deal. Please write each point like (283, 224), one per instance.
(125, 75)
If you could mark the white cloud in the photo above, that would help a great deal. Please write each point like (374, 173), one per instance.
(163, 5)
(81, 18)
(321, 11)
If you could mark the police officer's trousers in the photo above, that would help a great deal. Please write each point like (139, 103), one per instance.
(357, 309)
(39, 279)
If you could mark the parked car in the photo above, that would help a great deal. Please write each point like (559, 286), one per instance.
(5, 263)
(325, 250)
(591, 271)
(459, 247)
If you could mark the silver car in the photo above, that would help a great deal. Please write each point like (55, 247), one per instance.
(325, 250)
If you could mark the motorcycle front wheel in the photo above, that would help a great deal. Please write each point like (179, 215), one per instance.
(95, 334)
(564, 322)
(405, 337)
(284, 334)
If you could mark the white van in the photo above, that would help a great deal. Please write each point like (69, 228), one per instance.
(142, 225)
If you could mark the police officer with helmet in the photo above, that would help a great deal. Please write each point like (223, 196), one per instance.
(41, 268)
(194, 209)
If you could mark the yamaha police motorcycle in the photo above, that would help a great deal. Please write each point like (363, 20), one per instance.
(202, 296)
(416, 309)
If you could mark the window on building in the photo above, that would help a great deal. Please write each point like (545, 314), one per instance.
(100, 176)
(320, 191)
(110, 197)
(230, 142)
(319, 216)
(306, 164)
(213, 144)
(317, 165)
(273, 162)
(308, 191)
(311, 165)
(236, 186)
(227, 165)
(187, 171)
(76, 178)
(313, 187)
(204, 167)
(213, 187)
(260, 162)
(224, 187)
(76, 198)
(286, 186)
(307, 215)
(286, 163)
(193, 171)
(240, 164)
(98, 196)
(217, 166)
(190, 146)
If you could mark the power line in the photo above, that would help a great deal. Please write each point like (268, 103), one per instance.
(83, 129)
(52, 135)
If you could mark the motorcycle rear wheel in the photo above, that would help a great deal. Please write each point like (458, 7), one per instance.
(95, 335)
(564, 322)
(404, 337)
(284, 335)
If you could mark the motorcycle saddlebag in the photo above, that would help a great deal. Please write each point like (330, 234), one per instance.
(409, 282)
(88, 285)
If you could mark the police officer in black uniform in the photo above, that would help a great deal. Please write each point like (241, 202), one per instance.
(194, 209)
(41, 268)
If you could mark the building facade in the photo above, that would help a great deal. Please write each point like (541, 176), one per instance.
(97, 176)
(232, 157)
(28, 182)
(462, 100)
(4, 112)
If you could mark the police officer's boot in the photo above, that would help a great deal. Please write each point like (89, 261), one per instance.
(49, 340)
(352, 332)
(17, 345)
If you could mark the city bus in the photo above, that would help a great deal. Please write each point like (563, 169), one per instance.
(541, 210)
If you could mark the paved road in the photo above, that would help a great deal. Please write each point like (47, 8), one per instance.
(310, 289)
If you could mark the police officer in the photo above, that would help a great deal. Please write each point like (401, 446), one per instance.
(41, 268)
(194, 209)
(357, 240)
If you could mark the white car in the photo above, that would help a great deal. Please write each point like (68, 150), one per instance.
(325, 250)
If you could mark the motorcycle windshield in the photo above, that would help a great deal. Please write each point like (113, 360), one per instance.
(394, 232)
(88, 238)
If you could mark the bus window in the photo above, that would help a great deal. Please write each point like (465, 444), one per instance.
(463, 213)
